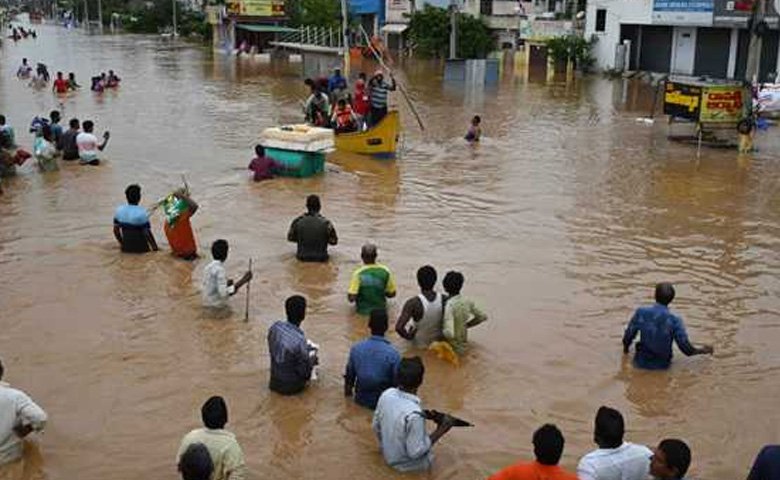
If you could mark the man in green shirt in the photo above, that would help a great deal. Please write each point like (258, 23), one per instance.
(460, 313)
(372, 284)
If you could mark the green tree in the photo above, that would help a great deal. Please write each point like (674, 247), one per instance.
(429, 30)
(316, 13)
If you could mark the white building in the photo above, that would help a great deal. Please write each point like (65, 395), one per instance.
(690, 37)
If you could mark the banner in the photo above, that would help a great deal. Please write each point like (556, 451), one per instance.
(682, 101)
(722, 104)
(256, 8)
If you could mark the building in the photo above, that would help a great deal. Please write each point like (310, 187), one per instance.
(256, 22)
(687, 37)
(369, 13)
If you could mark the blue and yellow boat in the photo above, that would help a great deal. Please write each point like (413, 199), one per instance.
(380, 140)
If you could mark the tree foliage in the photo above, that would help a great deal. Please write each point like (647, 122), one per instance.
(571, 47)
(429, 30)
(316, 13)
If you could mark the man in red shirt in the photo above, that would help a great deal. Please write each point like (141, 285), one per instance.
(60, 84)
(548, 448)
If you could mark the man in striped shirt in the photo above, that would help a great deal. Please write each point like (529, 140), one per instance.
(379, 89)
(292, 357)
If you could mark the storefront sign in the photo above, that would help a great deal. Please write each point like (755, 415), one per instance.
(682, 12)
(256, 8)
(721, 104)
(682, 101)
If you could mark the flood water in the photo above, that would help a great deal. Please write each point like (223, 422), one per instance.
(562, 220)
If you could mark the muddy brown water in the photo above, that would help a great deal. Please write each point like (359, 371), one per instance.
(562, 220)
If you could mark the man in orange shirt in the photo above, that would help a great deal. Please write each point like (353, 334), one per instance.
(548, 448)
(179, 232)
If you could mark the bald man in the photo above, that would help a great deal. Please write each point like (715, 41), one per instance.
(372, 284)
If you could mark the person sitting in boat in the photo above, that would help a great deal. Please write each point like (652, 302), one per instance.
(344, 118)
(337, 85)
(113, 80)
(317, 107)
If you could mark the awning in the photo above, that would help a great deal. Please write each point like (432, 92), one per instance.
(395, 28)
(264, 28)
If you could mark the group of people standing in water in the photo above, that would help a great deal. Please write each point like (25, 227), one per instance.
(40, 78)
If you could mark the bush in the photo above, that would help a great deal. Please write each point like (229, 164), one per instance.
(571, 47)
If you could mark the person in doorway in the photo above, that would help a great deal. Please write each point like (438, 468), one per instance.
(670, 460)
(460, 313)
(421, 317)
(56, 128)
(361, 103)
(399, 422)
(379, 90)
(475, 131)
(658, 328)
(44, 150)
(60, 86)
(344, 118)
(88, 144)
(225, 452)
(263, 166)
(19, 417)
(313, 233)
(767, 464)
(548, 447)
(25, 70)
(293, 357)
(195, 463)
(371, 284)
(131, 224)
(614, 459)
(72, 84)
(67, 144)
(372, 364)
(215, 287)
(337, 85)
(177, 227)
(317, 108)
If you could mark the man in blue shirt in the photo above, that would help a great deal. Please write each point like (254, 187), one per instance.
(131, 224)
(337, 85)
(658, 328)
(767, 464)
(292, 355)
(372, 364)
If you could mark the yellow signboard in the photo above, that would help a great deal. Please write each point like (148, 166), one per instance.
(256, 8)
(722, 104)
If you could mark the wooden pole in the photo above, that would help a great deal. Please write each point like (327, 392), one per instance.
(248, 286)
(400, 85)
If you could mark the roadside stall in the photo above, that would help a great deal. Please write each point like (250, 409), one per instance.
(706, 112)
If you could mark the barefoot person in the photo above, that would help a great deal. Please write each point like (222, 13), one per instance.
(658, 328)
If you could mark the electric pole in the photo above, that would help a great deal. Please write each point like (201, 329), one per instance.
(453, 29)
(100, 16)
(757, 26)
(86, 16)
(175, 33)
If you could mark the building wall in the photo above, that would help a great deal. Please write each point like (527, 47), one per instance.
(635, 12)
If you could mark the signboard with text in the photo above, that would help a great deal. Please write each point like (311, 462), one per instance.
(682, 101)
(682, 12)
(722, 104)
(256, 8)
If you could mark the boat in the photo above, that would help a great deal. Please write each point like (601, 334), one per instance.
(380, 140)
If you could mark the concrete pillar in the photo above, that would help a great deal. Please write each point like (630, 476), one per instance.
(732, 68)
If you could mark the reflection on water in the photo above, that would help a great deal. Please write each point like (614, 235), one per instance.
(562, 219)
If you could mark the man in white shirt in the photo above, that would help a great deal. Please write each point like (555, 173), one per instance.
(216, 288)
(88, 144)
(226, 455)
(19, 416)
(614, 459)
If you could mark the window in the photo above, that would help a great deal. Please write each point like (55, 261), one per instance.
(486, 7)
(601, 19)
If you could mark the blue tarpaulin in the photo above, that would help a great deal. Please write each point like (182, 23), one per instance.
(368, 7)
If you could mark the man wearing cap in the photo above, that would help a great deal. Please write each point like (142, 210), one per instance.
(371, 284)
(378, 89)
